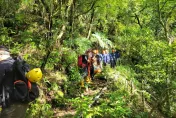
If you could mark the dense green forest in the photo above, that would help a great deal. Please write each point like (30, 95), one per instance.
(50, 34)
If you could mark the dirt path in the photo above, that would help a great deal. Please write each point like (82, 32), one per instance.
(94, 88)
(98, 84)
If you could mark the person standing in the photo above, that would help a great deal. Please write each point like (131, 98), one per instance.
(107, 56)
(96, 61)
(99, 59)
(113, 58)
(104, 55)
(117, 56)
(90, 68)
(10, 109)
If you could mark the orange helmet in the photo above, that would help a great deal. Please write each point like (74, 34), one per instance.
(94, 51)
(104, 51)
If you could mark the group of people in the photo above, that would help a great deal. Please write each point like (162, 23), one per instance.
(92, 62)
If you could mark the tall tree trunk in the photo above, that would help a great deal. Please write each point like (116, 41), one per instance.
(163, 23)
(71, 18)
(168, 92)
(45, 59)
(142, 94)
(49, 38)
(90, 24)
(60, 9)
(166, 31)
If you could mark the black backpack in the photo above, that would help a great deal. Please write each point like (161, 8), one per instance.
(24, 90)
(19, 88)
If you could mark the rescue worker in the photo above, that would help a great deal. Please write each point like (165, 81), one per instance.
(90, 68)
(96, 61)
(12, 108)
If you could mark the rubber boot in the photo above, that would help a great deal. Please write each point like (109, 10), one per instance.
(88, 79)
(82, 83)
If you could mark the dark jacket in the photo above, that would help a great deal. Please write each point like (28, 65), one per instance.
(6, 75)
(12, 109)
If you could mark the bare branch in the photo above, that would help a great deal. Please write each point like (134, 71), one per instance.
(45, 6)
(159, 13)
(169, 14)
(92, 7)
(143, 8)
(137, 18)
(163, 5)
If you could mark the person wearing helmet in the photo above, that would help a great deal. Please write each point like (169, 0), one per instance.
(96, 62)
(10, 109)
(90, 69)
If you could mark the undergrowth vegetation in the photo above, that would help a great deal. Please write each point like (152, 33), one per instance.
(116, 98)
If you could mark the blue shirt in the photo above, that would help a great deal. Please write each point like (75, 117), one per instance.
(106, 58)
(113, 56)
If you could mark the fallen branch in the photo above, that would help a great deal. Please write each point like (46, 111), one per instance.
(95, 99)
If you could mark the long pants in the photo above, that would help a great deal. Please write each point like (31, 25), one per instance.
(113, 63)
(92, 72)
(16, 110)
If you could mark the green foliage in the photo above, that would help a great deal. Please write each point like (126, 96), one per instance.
(101, 41)
(153, 62)
(40, 110)
(142, 115)
(82, 107)
(80, 45)
(116, 105)
(74, 74)
(112, 105)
